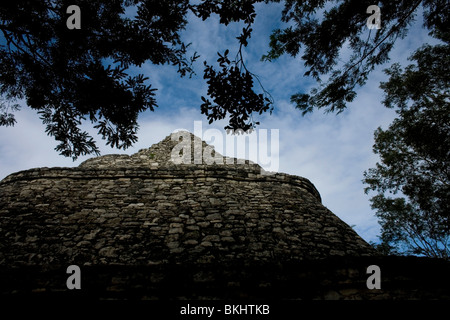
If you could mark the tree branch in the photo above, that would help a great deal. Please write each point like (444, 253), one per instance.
(394, 28)
(32, 53)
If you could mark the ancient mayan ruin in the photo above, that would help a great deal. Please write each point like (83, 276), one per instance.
(145, 211)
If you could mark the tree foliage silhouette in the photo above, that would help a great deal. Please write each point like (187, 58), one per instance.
(415, 157)
(62, 73)
(70, 76)
(342, 24)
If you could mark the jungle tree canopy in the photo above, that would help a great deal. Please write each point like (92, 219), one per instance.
(69, 76)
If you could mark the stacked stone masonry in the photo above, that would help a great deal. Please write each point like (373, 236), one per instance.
(144, 227)
(145, 210)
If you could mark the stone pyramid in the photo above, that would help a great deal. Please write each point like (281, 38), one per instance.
(163, 154)
(144, 209)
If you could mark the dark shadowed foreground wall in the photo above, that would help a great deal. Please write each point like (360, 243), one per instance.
(402, 278)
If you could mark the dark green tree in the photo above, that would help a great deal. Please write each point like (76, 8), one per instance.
(413, 179)
(70, 75)
(342, 23)
(62, 72)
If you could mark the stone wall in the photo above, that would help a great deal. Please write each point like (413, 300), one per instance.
(195, 213)
(142, 226)
(143, 209)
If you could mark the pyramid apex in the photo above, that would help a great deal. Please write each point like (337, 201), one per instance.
(179, 148)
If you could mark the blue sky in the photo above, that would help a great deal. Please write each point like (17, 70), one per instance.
(331, 150)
